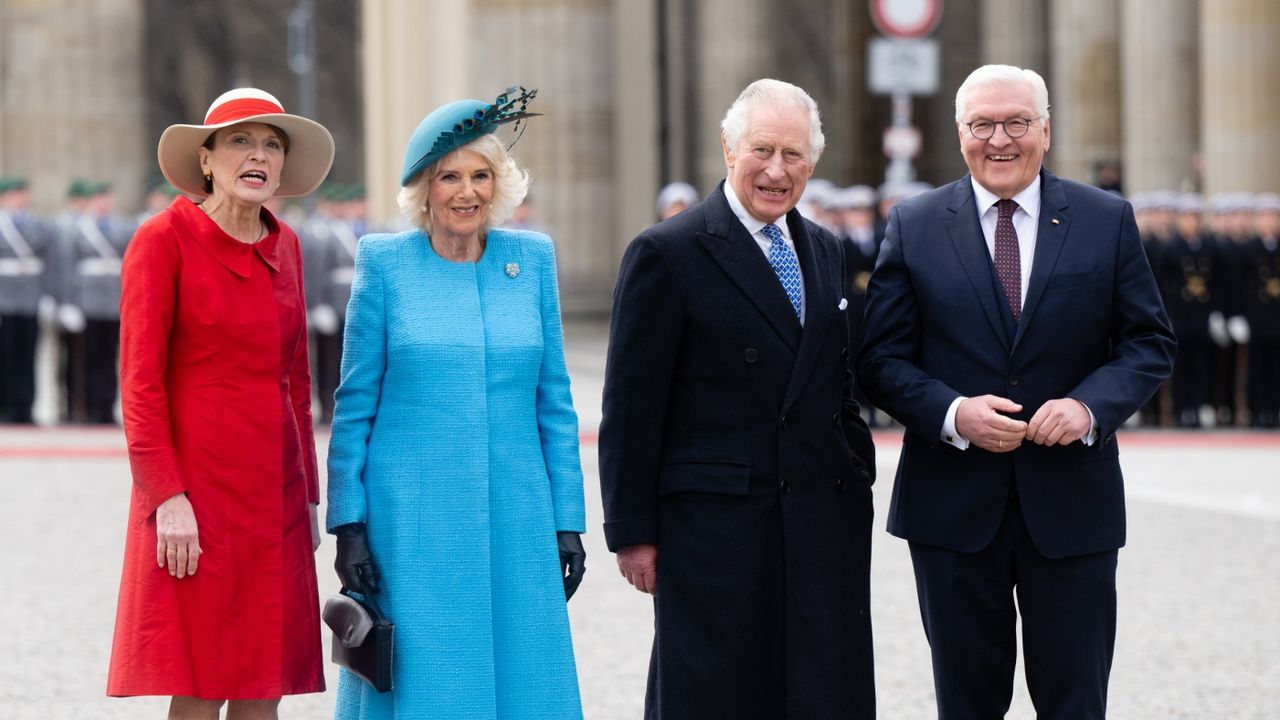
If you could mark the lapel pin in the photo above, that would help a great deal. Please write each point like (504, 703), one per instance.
(513, 269)
(1054, 221)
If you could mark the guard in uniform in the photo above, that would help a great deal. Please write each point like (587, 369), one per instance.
(24, 249)
(1188, 275)
(314, 237)
(1154, 213)
(853, 210)
(1260, 301)
(329, 245)
(93, 244)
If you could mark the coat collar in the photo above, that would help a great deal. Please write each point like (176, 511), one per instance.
(965, 231)
(740, 257)
(231, 253)
(1051, 235)
(737, 253)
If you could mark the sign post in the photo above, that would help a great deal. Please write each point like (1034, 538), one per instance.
(901, 65)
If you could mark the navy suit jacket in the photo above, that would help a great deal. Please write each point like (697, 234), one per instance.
(1093, 328)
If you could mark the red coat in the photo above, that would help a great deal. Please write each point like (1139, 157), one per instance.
(217, 403)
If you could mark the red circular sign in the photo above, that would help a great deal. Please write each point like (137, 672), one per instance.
(906, 18)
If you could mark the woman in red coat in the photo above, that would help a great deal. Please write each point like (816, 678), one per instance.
(218, 598)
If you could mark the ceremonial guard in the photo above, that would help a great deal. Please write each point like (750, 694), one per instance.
(91, 246)
(1189, 278)
(24, 248)
(854, 211)
(1154, 212)
(1260, 305)
(331, 236)
(315, 238)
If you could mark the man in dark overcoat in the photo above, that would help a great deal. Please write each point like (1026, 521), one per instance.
(735, 468)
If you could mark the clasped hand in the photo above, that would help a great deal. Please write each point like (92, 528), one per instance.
(985, 422)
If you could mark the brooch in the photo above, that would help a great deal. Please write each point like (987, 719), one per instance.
(513, 269)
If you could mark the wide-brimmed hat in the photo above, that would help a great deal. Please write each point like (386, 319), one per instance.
(310, 146)
(451, 126)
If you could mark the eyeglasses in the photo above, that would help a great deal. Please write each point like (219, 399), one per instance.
(1013, 127)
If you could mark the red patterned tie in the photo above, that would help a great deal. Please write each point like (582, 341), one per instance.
(1008, 259)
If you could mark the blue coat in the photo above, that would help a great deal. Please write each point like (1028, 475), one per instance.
(455, 439)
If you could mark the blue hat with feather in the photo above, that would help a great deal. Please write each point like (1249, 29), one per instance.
(451, 126)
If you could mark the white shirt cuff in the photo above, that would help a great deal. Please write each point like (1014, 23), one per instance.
(1092, 436)
(949, 434)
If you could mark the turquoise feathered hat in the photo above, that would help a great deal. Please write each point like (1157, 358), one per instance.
(451, 126)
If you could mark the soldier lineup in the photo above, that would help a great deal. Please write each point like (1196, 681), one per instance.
(1217, 261)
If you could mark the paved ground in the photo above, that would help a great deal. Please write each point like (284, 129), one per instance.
(1199, 629)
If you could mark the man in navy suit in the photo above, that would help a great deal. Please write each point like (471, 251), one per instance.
(734, 465)
(1012, 339)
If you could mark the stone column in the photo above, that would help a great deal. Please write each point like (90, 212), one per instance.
(561, 47)
(733, 49)
(1240, 95)
(415, 55)
(1084, 86)
(636, 108)
(70, 102)
(1014, 32)
(1159, 86)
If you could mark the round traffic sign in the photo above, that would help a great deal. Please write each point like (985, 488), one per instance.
(906, 18)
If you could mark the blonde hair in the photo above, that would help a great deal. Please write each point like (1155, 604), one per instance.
(510, 185)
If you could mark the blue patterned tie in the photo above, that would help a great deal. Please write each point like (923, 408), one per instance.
(783, 261)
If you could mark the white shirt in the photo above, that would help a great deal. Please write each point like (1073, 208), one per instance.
(755, 227)
(1026, 223)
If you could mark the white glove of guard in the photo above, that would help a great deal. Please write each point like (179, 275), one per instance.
(71, 318)
(324, 320)
(1238, 329)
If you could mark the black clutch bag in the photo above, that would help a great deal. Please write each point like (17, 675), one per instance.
(363, 638)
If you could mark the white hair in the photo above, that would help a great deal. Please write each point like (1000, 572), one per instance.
(775, 94)
(510, 185)
(1007, 76)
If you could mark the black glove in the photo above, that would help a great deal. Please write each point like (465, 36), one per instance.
(573, 561)
(355, 564)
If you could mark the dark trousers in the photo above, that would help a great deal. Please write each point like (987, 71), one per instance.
(1264, 383)
(1192, 375)
(328, 370)
(17, 367)
(1068, 609)
(101, 351)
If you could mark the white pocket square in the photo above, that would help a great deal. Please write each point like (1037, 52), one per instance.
(844, 303)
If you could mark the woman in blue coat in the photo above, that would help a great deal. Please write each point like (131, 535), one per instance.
(455, 489)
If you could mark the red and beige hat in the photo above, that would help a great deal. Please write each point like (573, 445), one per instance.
(306, 164)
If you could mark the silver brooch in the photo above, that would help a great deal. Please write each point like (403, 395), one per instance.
(513, 269)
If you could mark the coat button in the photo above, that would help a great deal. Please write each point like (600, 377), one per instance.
(844, 353)
(840, 484)
(785, 487)
(783, 421)
(835, 419)
(750, 355)
(1013, 379)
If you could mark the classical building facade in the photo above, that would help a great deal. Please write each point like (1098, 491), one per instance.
(1179, 93)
